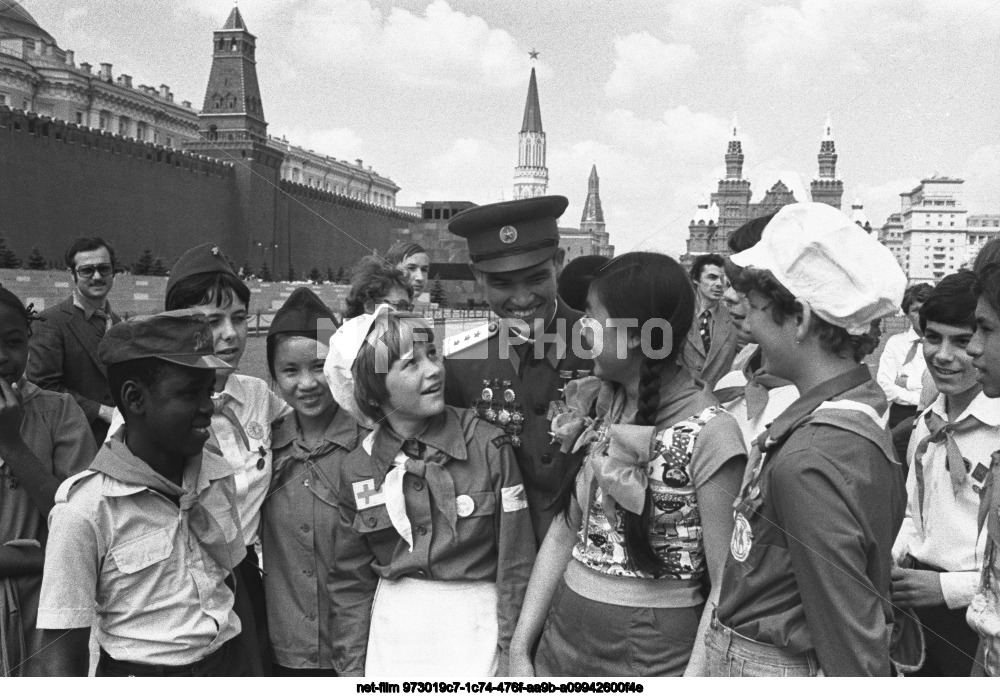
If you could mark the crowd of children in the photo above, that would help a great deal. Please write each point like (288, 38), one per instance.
(348, 519)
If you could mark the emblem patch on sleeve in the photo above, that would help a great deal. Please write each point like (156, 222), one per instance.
(366, 495)
(501, 441)
(514, 498)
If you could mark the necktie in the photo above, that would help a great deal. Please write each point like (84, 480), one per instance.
(942, 431)
(223, 406)
(705, 331)
(912, 353)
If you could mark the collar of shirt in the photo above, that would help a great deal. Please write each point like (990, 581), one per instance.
(444, 434)
(342, 431)
(88, 310)
(234, 389)
(911, 335)
(807, 403)
(984, 409)
(129, 475)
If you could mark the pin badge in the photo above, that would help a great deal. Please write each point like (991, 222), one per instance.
(255, 430)
(465, 505)
(508, 234)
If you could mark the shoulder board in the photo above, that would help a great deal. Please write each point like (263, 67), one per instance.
(62, 493)
(474, 337)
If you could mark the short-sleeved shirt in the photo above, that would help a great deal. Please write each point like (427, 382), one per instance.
(255, 407)
(940, 530)
(56, 431)
(298, 523)
(694, 438)
(810, 558)
(123, 557)
(493, 539)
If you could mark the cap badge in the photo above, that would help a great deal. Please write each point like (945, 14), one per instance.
(215, 251)
(508, 234)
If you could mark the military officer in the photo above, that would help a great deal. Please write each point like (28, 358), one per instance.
(512, 371)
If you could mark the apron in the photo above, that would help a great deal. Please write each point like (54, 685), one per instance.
(423, 628)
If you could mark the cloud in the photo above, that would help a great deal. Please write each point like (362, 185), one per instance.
(342, 143)
(644, 63)
(981, 173)
(474, 167)
(440, 48)
(653, 172)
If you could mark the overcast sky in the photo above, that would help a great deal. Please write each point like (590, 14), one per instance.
(431, 94)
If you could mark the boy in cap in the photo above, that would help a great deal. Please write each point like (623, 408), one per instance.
(142, 544)
(512, 371)
(940, 547)
(806, 590)
(203, 280)
(984, 609)
(750, 392)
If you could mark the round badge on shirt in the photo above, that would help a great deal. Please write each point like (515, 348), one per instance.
(464, 505)
(742, 539)
(255, 430)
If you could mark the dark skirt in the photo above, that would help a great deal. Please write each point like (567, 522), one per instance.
(586, 638)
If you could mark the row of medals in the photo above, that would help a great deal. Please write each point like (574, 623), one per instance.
(497, 404)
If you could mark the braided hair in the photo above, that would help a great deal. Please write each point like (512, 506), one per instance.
(644, 286)
(12, 301)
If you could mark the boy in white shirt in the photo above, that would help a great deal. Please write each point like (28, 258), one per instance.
(940, 547)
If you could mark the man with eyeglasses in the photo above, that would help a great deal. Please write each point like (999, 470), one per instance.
(63, 349)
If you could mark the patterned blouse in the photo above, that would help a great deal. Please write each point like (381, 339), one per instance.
(675, 523)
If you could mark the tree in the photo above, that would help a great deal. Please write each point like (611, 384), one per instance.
(36, 260)
(158, 268)
(265, 273)
(315, 275)
(142, 266)
(437, 292)
(340, 275)
(330, 275)
(8, 260)
(291, 274)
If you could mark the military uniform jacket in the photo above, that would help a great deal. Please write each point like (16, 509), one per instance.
(471, 359)
(492, 540)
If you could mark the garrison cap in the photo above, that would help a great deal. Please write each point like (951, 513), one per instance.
(183, 337)
(511, 235)
(204, 259)
(304, 313)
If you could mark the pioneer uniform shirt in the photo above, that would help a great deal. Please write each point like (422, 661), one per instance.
(810, 559)
(493, 539)
(298, 523)
(148, 573)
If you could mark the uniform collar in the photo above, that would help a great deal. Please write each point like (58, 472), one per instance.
(342, 430)
(807, 403)
(984, 409)
(129, 475)
(29, 390)
(234, 389)
(444, 434)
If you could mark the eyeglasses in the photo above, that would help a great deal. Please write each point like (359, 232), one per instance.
(88, 270)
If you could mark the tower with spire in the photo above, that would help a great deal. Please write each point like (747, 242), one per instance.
(826, 188)
(231, 127)
(733, 196)
(592, 220)
(531, 177)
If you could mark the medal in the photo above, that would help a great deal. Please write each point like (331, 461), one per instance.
(464, 506)
(742, 539)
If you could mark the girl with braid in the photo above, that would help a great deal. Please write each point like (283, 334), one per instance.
(618, 587)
